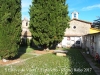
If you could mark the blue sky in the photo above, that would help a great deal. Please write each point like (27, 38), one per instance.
(89, 10)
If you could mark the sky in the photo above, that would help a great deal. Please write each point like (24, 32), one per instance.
(89, 10)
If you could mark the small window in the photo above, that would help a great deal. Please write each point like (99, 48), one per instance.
(26, 23)
(77, 42)
(74, 15)
(74, 27)
(92, 38)
(68, 38)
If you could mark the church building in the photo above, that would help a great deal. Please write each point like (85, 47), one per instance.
(25, 34)
(78, 28)
(73, 35)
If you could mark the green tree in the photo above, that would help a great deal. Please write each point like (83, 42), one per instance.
(96, 23)
(10, 21)
(48, 21)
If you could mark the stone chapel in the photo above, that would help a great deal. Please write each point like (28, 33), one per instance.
(25, 34)
(72, 36)
(78, 28)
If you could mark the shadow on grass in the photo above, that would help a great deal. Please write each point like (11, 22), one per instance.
(21, 51)
(41, 48)
(78, 64)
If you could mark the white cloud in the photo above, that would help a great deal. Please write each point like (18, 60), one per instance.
(91, 7)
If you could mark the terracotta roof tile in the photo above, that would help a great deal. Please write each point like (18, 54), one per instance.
(81, 21)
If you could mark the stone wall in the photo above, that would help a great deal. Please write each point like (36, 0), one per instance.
(77, 28)
(25, 34)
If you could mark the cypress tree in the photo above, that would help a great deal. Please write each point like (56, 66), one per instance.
(96, 23)
(48, 21)
(10, 21)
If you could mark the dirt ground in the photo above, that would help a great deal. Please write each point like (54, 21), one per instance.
(43, 52)
(16, 60)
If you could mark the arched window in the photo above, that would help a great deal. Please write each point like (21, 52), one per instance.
(74, 15)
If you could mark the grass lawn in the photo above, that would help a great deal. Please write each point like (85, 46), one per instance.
(50, 64)
(25, 52)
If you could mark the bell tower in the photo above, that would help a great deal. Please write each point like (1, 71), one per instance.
(75, 15)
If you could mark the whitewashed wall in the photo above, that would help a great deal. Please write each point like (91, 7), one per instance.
(64, 41)
(95, 44)
(69, 43)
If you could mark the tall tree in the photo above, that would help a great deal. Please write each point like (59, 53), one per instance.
(10, 21)
(96, 23)
(48, 21)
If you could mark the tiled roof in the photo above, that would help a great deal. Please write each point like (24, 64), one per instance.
(94, 30)
(73, 35)
(81, 21)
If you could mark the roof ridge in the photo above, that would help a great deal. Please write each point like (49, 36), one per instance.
(81, 20)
